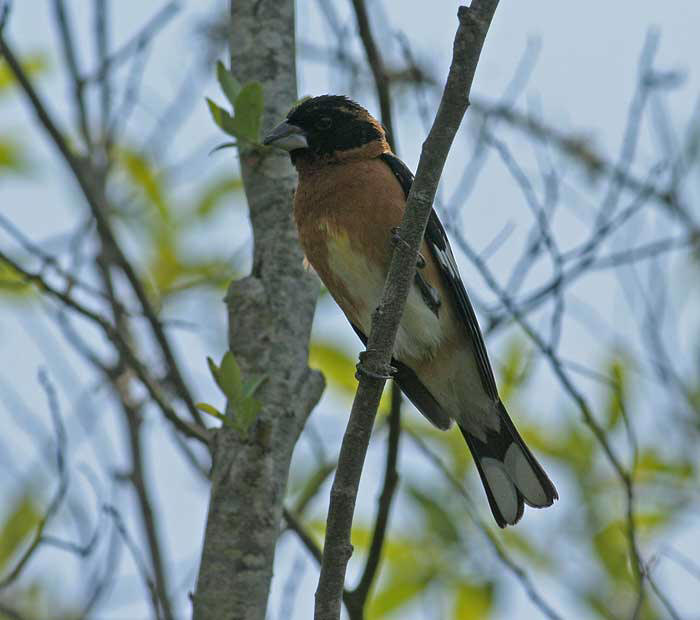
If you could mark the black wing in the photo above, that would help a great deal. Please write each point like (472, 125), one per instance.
(437, 241)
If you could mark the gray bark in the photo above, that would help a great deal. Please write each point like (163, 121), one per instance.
(270, 315)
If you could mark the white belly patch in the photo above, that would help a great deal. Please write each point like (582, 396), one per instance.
(419, 332)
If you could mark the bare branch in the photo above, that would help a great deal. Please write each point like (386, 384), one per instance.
(130, 543)
(137, 43)
(139, 368)
(99, 208)
(77, 80)
(357, 599)
(376, 64)
(138, 480)
(473, 26)
(304, 537)
(102, 23)
(62, 489)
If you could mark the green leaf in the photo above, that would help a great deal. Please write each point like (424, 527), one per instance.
(251, 385)
(473, 601)
(229, 84)
(514, 371)
(214, 370)
(311, 484)
(611, 544)
(213, 196)
(209, 409)
(238, 391)
(515, 541)
(215, 413)
(618, 394)
(222, 118)
(651, 464)
(12, 158)
(400, 588)
(142, 174)
(165, 266)
(438, 520)
(337, 366)
(32, 64)
(22, 519)
(249, 109)
(230, 378)
(12, 282)
(244, 414)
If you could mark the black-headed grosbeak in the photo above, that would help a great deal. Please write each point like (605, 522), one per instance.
(351, 197)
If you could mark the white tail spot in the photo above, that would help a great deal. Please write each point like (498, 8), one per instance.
(524, 477)
(501, 487)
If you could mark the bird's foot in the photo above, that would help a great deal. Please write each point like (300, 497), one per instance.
(362, 370)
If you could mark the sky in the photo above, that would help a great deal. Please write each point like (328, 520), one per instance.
(583, 80)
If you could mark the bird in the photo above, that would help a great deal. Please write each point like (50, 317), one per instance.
(348, 204)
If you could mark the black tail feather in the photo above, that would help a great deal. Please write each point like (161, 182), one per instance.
(509, 472)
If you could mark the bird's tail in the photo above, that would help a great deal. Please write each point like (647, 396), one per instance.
(509, 472)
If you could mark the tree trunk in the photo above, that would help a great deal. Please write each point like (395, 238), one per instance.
(270, 315)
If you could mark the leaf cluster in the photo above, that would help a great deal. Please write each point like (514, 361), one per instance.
(239, 392)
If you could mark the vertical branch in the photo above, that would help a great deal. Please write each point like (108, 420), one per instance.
(270, 315)
(473, 26)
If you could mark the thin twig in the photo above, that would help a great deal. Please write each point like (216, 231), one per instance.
(136, 43)
(376, 64)
(138, 480)
(59, 495)
(134, 549)
(99, 208)
(105, 82)
(139, 368)
(305, 538)
(358, 597)
(78, 83)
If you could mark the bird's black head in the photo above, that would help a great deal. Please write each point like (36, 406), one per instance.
(325, 127)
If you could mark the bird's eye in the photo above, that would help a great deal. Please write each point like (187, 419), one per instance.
(323, 123)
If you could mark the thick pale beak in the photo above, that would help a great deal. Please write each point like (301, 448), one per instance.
(287, 136)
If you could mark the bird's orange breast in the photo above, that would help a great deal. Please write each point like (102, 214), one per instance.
(343, 213)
